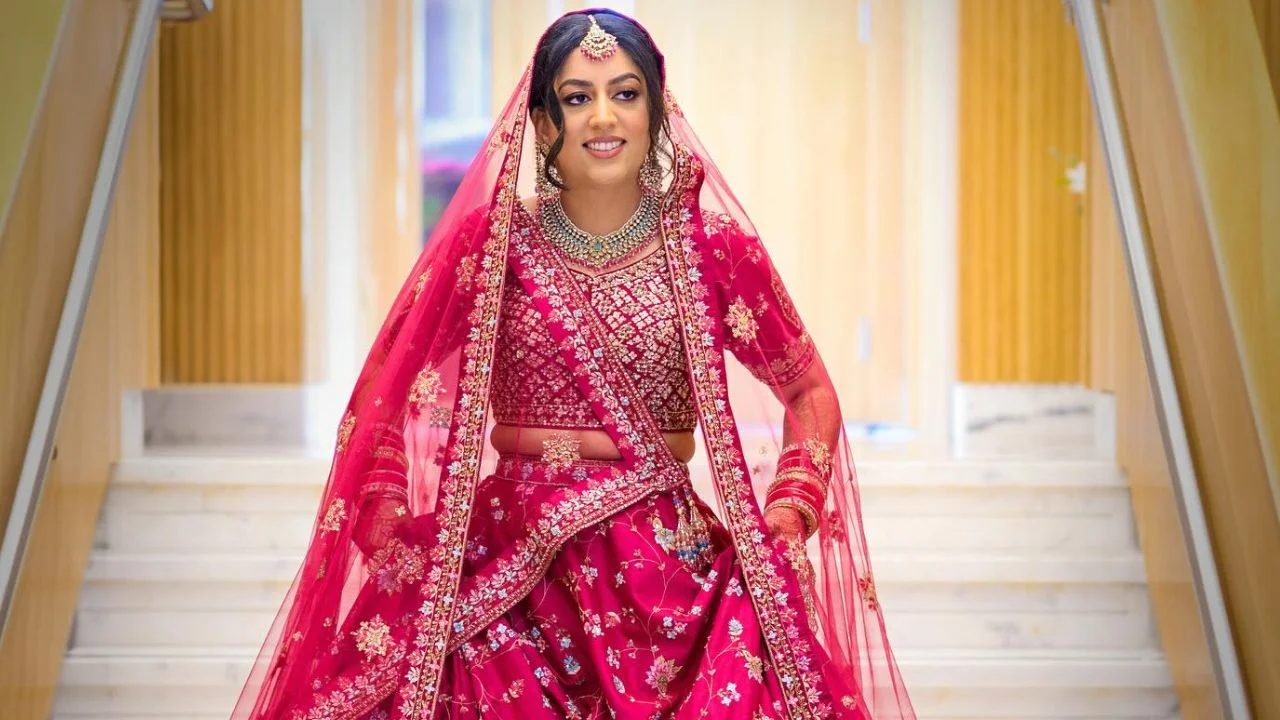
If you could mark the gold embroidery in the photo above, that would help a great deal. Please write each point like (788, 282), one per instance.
(345, 430)
(426, 388)
(439, 417)
(673, 107)
(741, 322)
(334, 516)
(373, 637)
(820, 454)
(466, 270)
(561, 451)
(868, 588)
(421, 283)
(798, 557)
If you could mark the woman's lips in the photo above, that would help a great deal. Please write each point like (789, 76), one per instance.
(605, 148)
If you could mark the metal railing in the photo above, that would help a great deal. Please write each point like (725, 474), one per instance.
(1086, 15)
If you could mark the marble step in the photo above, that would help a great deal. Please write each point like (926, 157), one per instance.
(261, 504)
(122, 683)
(954, 601)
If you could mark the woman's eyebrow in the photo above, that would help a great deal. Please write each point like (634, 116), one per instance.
(583, 83)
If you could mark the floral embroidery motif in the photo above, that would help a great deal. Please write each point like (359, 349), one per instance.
(466, 270)
(561, 451)
(820, 454)
(396, 565)
(345, 430)
(334, 516)
(741, 322)
(373, 637)
(661, 673)
(420, 284)
(868, 588)
(439, 417)
(426, 388)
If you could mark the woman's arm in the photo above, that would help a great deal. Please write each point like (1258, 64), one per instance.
(767, 336)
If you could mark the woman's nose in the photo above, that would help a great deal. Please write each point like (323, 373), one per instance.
(603, 115)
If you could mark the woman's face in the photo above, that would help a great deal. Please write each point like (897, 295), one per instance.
(606, 121)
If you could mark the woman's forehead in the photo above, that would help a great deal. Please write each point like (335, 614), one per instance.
(597, 72)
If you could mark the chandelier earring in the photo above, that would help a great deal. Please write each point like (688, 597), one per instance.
(542, 185)
(651, 175)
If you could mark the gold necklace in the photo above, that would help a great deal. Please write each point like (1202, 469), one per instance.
(597, 251)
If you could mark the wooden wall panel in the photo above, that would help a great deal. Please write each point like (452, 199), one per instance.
(28, 38)
(1023, 267)
(1266, 15)
(1212, 380)
(231, 152)
(41, 236)
(118, 349)
(1117, 365)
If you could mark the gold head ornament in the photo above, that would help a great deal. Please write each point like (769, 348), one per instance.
(598, 45)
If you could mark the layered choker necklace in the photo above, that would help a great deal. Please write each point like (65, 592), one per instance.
(597, 251)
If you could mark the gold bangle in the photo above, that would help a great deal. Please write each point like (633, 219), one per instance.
(807, 513)
(801, 475)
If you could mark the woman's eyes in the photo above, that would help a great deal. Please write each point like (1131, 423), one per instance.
(580, 98)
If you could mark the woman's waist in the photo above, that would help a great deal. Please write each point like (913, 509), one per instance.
(580, 443)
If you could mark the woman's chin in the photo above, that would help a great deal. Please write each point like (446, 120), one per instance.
(609, 177)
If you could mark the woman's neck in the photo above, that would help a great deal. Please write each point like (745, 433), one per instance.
(601, 210)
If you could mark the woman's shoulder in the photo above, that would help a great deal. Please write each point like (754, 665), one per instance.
(726, 236)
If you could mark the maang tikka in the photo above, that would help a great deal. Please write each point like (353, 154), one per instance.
(598, 45)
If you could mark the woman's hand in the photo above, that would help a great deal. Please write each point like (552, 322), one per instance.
(785, 523)
(379, 519)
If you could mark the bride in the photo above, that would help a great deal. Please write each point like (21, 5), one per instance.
(509, 529)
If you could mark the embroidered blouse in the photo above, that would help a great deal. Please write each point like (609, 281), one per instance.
(532, 385)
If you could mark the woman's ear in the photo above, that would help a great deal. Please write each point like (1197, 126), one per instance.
(543, 128)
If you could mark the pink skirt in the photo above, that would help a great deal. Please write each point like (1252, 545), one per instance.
(620, 626)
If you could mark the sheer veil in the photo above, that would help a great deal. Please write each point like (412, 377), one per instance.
(417, 422)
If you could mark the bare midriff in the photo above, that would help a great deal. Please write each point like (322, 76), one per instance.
(593, 444)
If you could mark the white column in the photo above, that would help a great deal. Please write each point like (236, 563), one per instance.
(932, 148)
(334, 118)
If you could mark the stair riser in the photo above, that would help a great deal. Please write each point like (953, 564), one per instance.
(899, 597)
(949, 629)
(986, 703)
(877, 499)
(244, 532)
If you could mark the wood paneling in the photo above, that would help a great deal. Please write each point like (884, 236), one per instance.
(1266, 15)
(118, 349)
(42, 234)
(231, 152)
(1117, 365)
(28, 37)
(1023, 268)
(1173, 165)
(1232, 126)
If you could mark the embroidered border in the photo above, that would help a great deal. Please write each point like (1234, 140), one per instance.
(515, 576)
(432, 626)
(800, 682)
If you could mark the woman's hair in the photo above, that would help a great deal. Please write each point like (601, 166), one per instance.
(562, 38)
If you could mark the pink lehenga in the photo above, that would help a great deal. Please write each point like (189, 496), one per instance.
(446, 581)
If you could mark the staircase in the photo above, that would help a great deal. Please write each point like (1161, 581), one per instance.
(1013, 589)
